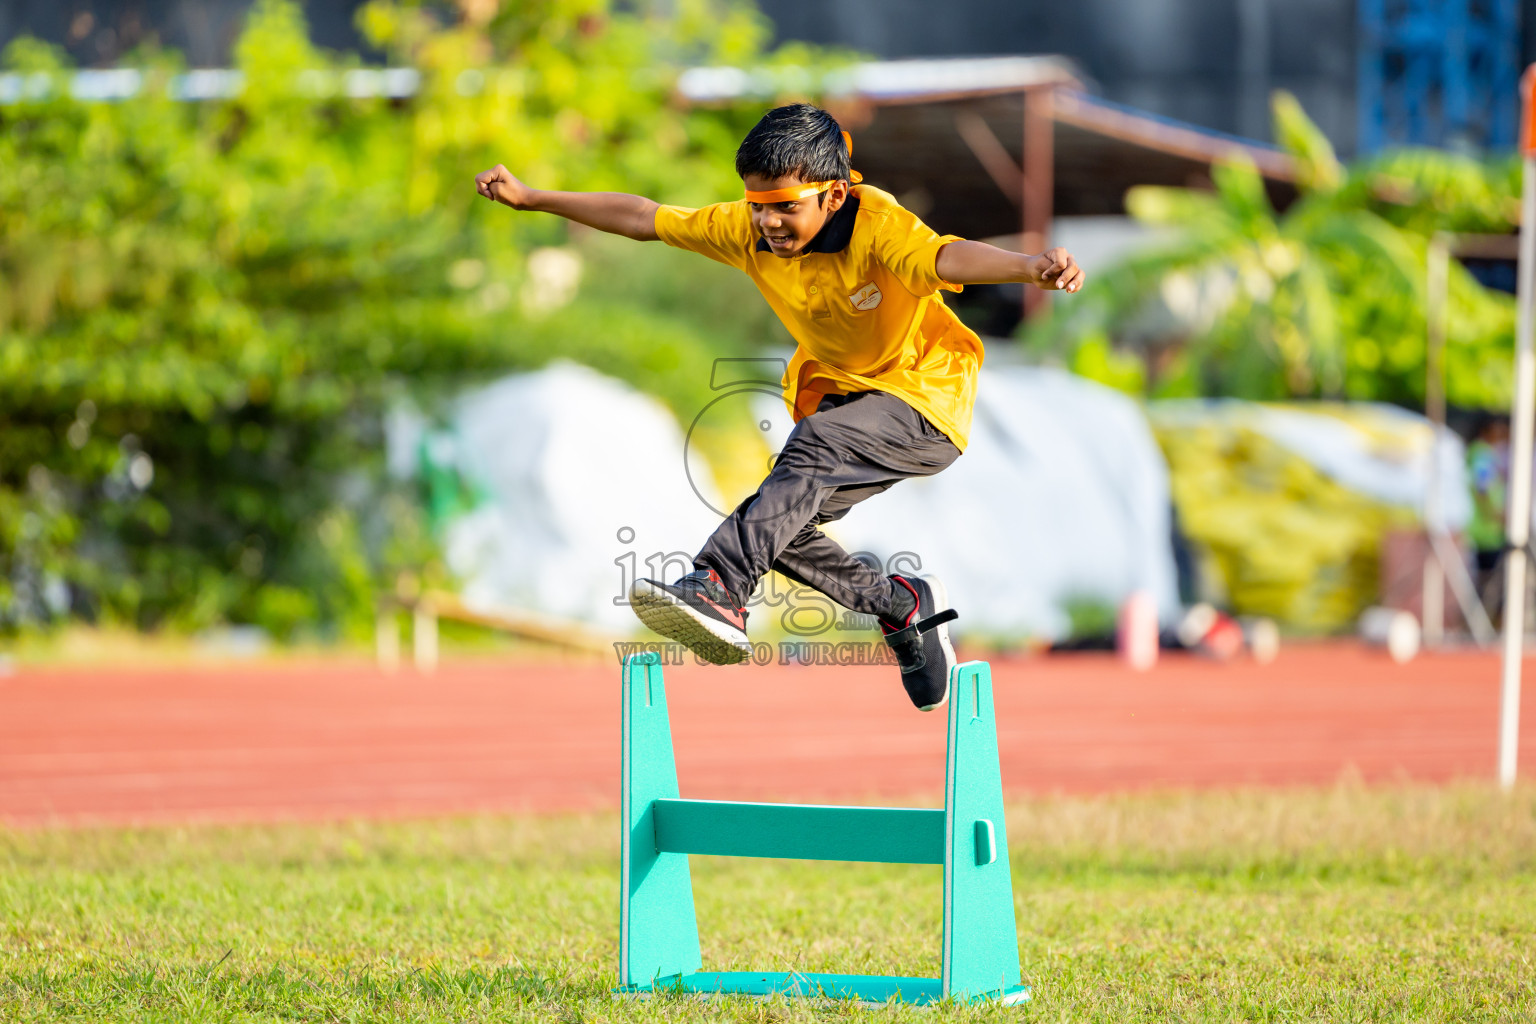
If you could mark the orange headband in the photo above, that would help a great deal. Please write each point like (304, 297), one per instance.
(814, 188)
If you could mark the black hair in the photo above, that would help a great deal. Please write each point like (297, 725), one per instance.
(799, 139)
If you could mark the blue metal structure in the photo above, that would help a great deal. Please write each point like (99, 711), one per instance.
(1438, 73)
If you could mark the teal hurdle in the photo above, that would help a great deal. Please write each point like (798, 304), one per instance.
(659, 932)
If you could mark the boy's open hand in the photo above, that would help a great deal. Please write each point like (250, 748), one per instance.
(1056, 269)
(498, 185)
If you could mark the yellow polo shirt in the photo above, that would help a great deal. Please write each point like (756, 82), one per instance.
(864, 308)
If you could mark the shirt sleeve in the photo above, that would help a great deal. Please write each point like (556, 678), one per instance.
(723, 232)
(910, 250)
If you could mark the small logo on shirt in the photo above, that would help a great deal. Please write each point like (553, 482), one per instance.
(867, 297)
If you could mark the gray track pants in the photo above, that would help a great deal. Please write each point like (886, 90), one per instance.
(853, 447)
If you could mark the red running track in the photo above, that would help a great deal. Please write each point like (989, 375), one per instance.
(338, 739)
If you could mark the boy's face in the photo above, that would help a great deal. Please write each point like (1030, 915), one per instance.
(789, 227)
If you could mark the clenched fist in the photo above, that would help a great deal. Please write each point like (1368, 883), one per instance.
(499, 185)
(1055, 268)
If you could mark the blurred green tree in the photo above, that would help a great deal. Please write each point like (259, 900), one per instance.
(1324, 300)
(206, 307)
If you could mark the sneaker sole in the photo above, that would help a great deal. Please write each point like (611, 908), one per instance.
(715, 642)
(940, 603)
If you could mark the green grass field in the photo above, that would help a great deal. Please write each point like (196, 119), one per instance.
(1349, 904)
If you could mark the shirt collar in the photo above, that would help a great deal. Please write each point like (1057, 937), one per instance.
(834, 235)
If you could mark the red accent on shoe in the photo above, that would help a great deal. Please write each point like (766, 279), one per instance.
(735, 616)
(917, 603)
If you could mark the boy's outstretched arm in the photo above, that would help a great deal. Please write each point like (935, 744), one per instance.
(967, 262)
(615, 212)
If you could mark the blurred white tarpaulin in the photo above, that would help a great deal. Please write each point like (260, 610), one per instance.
(574, 470)
(1061, 497)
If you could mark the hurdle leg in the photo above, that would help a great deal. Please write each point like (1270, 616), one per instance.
(658, 931)
(981, 942)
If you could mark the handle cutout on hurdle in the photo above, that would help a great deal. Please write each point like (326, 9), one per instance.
(986, 842)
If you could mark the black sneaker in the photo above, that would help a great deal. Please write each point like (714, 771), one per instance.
(697, 613)
(921, 642)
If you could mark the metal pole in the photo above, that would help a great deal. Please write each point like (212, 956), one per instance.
(1443, 562)
(1432, 601)
(1519, 528)
(424, 637)
(387, 637)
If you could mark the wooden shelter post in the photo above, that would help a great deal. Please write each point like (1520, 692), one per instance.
(1039, 182)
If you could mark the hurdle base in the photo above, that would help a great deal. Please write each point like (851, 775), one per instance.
(868, 989)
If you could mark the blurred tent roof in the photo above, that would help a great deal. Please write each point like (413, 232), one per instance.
(948, 136)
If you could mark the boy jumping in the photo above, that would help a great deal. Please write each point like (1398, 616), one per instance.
(881, 386)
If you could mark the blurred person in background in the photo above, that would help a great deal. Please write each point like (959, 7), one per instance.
(1488, 471)
(881, 386)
